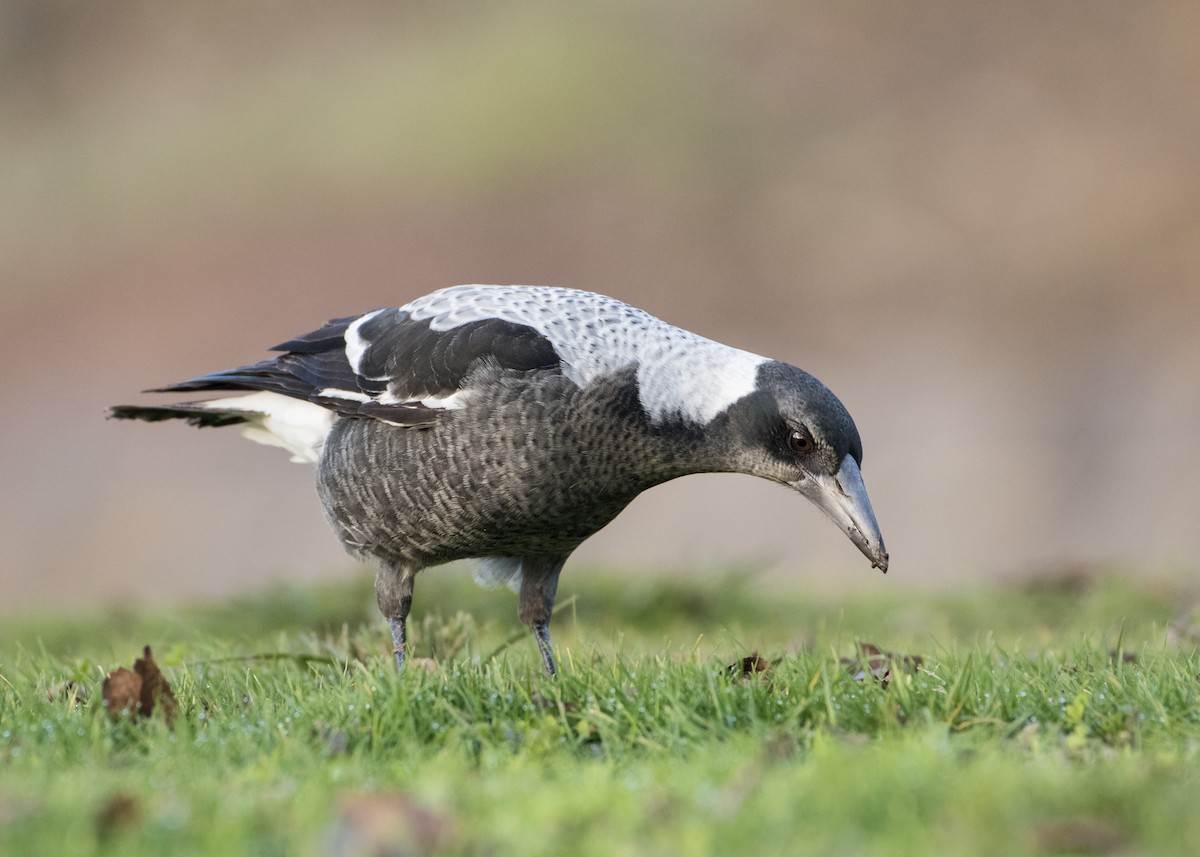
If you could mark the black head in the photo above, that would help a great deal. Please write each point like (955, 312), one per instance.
(794, 430)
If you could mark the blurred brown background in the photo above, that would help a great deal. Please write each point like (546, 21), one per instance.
(978, 223)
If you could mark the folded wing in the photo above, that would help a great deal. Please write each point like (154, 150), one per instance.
(383, 365)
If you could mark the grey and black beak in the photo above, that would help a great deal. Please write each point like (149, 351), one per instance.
(843, 497)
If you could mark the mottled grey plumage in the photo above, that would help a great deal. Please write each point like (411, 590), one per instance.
(493, 423)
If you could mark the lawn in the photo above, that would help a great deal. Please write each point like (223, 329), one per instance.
(1061, 718)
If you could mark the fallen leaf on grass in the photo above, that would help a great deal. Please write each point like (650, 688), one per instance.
(139, 690)
(387, 824)
(878, 663)
(1080, 835)
(122, 693)
(119, 812)
(750, 666)
(155, 690)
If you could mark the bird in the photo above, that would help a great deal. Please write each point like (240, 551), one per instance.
(507, 424)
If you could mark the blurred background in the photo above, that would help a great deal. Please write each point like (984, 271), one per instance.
(978, 223)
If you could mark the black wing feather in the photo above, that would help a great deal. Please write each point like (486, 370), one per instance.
(332, 335)
(417, 361)
(403, 357)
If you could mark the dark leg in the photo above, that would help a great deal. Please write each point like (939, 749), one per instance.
(541, 631)
(393, 594)
(539, 583)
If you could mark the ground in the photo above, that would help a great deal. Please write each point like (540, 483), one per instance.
(1053, 718)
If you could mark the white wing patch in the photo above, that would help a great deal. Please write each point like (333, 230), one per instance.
(337, 393)
(452, 402)
(298, 426)
(355, 344)
(680, 374)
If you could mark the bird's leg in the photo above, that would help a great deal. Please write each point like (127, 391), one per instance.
(541, 632)
(539, 583)
(393, 594)
(399, 627)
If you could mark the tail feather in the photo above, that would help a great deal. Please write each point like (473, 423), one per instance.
(298, 426)
(298, 375)
(194, 413)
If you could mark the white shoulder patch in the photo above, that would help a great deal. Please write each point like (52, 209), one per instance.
(697, 381)
(681, 375)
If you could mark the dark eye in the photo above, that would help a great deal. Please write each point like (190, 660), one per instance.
(800, 442)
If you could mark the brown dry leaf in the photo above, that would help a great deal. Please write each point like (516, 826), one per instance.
(1080, 835)
(120, 811)
(122, 693)
(155, 690)
(139, 690)
(871, 660)
(750, 666)
(387, 824)
(878, 663)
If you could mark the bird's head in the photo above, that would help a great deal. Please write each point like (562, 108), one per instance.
(793, 430)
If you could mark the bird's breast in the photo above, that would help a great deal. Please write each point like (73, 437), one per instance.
(524, 469)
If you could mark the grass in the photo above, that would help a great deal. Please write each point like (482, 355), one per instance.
(1052, 720)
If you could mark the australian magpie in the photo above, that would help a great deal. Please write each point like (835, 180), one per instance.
(509, 423)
